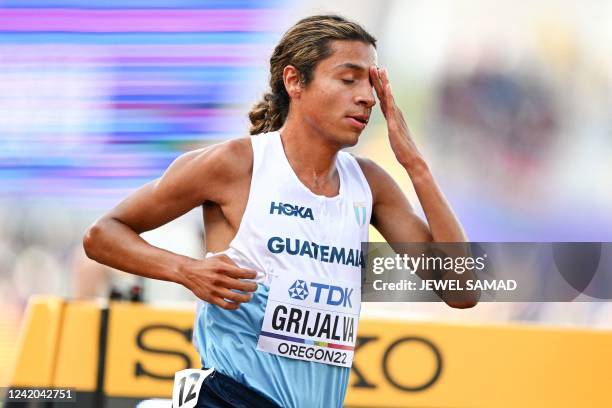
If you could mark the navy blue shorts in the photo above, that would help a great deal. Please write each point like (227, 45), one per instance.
(221, 391)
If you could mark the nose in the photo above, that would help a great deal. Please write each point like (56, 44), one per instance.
(365, 96)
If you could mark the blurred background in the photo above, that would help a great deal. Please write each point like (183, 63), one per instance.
(510, 103)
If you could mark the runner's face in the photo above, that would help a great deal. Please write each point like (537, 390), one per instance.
(338, 100)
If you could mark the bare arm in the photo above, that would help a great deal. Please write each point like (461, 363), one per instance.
(392, 214)
(193, 178)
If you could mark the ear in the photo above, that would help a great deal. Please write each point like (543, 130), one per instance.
(293, 81)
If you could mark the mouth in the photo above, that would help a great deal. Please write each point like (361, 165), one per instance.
(359, 121)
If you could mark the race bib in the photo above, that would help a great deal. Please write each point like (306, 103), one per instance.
(187, 385)
(311, 319)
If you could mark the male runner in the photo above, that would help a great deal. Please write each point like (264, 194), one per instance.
(286, 205)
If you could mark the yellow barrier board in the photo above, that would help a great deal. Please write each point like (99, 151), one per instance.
(438, 365)
(145, 347)
(397, 364)
(77, 351)
(38, 341)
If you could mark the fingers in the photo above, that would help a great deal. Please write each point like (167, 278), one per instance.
(237, 272)
(377, 83)
(229, 299)
(229, 267)
(232, 283)
(223, 304)
(218, 280)
(380, 80)
(235, 297)
(224, 258)
(224, 294)
(386, 85)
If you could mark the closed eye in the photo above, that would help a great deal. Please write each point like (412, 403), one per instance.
(348, 81)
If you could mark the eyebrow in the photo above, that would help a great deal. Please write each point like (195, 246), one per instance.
(351, 65)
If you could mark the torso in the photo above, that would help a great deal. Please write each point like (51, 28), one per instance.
(252, 218)
(222, 219)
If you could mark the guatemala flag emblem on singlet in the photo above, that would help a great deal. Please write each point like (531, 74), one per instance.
(360, 212)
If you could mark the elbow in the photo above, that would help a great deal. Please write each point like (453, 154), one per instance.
(463, 301)
(91, 240)
(465, 304)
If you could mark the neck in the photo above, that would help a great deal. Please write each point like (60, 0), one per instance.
(311, 156)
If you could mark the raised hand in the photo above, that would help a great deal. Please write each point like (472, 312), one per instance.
(400, 138)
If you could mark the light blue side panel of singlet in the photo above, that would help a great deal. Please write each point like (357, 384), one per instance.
(227, 341)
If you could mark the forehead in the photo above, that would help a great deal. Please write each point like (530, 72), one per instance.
(348, 53)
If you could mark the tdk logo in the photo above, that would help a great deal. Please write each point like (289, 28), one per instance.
(288, 209)
(336, 296)
(299, 290)
(329, 294)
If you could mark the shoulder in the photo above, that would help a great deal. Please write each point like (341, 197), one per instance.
(372, 171)
(225, 160)
(234, 157)
(370, 168)
(213, 170)
(382, 185)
